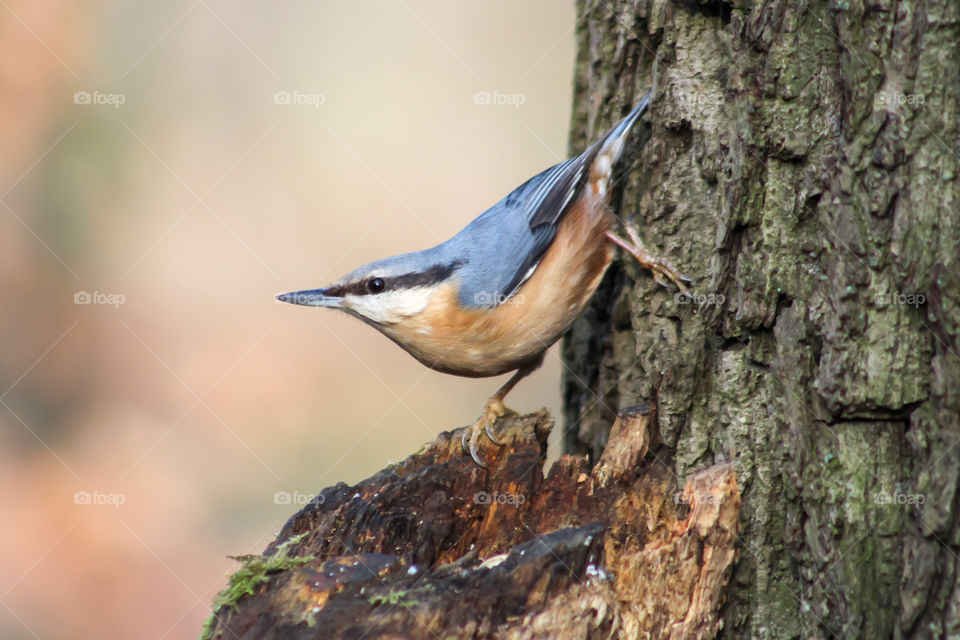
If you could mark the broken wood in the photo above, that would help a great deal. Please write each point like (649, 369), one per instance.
(438, 547)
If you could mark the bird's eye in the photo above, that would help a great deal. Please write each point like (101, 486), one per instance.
(376, 285)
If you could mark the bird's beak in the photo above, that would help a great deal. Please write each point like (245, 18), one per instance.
(313, 298)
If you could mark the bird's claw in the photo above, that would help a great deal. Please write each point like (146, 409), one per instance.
(493, 410)
(471, 447)
(658, 266)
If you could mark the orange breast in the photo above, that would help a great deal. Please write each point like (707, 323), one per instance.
(488, 342)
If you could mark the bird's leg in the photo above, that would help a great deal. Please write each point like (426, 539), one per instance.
(659, 266)
(494, 409)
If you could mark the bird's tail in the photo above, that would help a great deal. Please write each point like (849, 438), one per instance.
(611, 146)
(620, 131)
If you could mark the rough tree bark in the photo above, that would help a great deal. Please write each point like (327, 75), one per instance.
(803, 164)
(801, 161)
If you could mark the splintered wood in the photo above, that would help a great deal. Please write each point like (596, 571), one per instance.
(437, 547)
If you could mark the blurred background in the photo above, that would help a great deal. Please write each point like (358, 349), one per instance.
(166, 168)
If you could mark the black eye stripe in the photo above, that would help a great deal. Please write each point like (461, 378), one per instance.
(435, 274)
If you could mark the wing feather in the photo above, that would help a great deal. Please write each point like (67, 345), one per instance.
(523, 225)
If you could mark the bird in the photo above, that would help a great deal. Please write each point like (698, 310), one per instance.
(494, 297)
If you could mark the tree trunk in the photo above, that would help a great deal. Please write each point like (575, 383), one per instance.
(801, 162)
(803, 166)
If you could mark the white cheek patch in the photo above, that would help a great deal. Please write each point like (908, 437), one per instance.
(390, 307)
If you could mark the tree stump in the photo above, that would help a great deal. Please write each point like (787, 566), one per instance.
(438, 547)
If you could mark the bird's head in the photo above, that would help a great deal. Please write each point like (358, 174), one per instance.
(383, 293)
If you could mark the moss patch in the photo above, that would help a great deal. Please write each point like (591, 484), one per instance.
(254, 570)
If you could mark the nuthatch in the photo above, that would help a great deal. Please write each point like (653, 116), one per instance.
(495, 296)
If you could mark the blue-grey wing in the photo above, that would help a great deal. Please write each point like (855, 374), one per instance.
(504, 245)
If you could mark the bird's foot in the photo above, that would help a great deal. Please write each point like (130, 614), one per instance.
(658, 266)
(493, 410)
